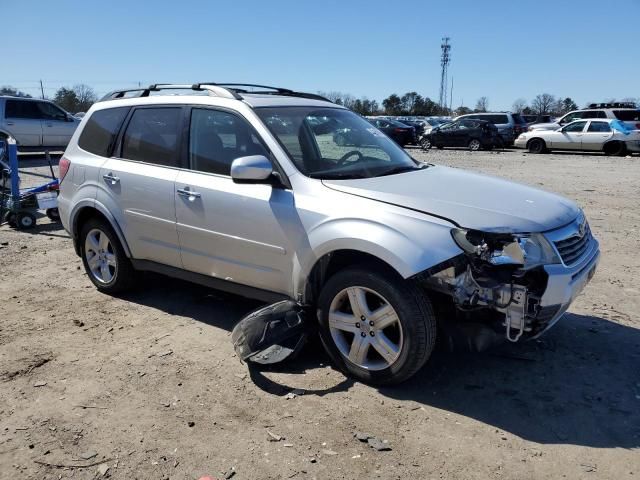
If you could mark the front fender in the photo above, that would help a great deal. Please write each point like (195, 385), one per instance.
(96, 205)
(424, 245)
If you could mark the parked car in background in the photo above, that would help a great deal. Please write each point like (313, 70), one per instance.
(532, 119)
(625, 112)
(509, 125)
(385, 252)
(79, 114)
(600, 135)
(418, 125)
(466, 132)
(402, 134)
(36, 124)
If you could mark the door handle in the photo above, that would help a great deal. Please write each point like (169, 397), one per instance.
(10, 123)
(189, 194)
(49, 124)
(109, 177)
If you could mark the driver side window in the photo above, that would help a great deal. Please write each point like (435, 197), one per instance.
(51, 112)
(575, 127)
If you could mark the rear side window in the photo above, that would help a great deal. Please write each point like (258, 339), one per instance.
(100, 131)
(22, 109)
(594, 114)
(627, 115)
(599, 127)
(152, 136)
(496, 119)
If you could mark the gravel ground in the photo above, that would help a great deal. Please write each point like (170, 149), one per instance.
(147, 385)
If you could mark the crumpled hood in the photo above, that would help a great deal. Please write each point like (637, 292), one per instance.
(471, 200)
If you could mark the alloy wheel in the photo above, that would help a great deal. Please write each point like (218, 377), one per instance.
(474, 145)
(100, 256)
(365, 328)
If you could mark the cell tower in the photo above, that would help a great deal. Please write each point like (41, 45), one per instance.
(444, 63)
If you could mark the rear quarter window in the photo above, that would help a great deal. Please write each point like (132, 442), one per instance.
(496, 119)
(627, 115)
(100, 131)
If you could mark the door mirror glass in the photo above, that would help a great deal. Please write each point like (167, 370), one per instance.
(251, 169)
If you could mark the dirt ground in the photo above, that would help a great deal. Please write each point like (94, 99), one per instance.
(147, 386)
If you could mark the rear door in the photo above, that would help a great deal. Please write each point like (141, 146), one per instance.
(138, 183)
(22, 120)
(57, 126)
(227, 230)
(569, 137)
(598, 132)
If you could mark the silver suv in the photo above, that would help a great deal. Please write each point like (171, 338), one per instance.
(627, 113)
(36, 124)
(244, 188)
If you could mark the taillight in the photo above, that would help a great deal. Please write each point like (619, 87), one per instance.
(400, 130)
(63, 167)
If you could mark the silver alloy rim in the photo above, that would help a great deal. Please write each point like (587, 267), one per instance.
(100, 256)
(474, 145)
(365, 328)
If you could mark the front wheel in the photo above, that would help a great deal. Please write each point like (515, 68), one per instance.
(104, 259)
(537, 145)
(425, 143)
(376, 327)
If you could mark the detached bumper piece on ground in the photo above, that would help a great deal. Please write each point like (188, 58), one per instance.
(271, 334)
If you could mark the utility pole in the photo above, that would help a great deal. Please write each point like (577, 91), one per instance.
(445, 58)
(42, 89)
(451, 96)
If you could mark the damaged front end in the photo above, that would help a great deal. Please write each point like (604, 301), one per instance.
(495, 287)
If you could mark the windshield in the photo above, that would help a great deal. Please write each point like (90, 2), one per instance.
(334, 143)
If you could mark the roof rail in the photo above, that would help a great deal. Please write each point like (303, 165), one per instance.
(613, 105)
(156, 87)
(226, 90)
(264, 90)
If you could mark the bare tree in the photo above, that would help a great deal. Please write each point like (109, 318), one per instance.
(543, 103)
(519, 105)
(482, 105)
(86, 97)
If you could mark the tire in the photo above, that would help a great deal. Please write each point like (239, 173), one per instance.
(112, 271)
(408, 337)
(615, 148)
(340, 140)
(474, 145)
(537, 145)
(25, 221)
(425, 143)
(53, 214)
(10, 218)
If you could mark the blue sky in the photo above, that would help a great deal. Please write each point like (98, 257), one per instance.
(501, 49)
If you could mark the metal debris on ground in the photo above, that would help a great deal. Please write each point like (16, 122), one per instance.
(272, 437)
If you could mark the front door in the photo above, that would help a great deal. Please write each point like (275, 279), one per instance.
(569, 137)
(231, 231)
(138, 187)
(57, 127)
(22, 120)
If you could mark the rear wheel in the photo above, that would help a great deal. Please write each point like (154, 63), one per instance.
(615, 148)
(104, 259)
(376, 327)
(537, 145)
(425, 143)
(474, 145)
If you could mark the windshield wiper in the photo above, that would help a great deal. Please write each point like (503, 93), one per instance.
(401, 169)
(336, 176)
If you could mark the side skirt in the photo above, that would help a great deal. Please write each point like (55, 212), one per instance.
(211, 282)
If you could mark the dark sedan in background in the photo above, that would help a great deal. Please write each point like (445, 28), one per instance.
(401, 133)
(472, 134)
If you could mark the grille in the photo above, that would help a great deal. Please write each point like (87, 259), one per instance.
(574, 246)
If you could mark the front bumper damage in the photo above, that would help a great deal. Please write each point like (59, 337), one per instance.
(490, 303)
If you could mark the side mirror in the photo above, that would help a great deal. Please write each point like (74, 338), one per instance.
(251, 169)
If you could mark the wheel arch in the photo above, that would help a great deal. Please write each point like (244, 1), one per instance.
(537, 138)
(93, 209)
